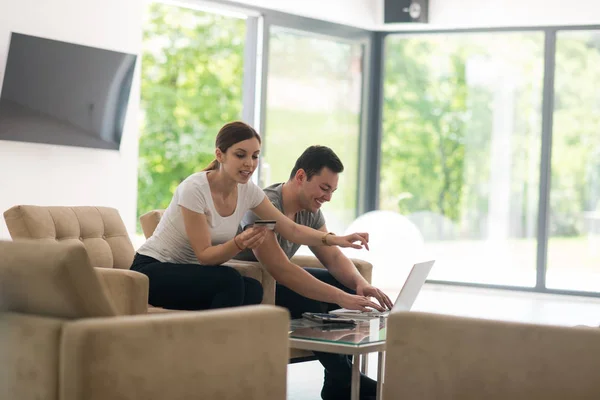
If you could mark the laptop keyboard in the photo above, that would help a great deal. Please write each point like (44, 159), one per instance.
(361, 314)
(373, 313)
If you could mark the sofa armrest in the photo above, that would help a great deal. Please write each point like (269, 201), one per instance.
(127, 290)
(364, 268)
(235, 353)
(257, 271)
(29, 350)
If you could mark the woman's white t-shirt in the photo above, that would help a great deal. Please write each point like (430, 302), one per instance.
(169, 242)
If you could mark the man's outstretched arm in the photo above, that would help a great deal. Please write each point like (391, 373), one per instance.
(297, 279)
(344, 270)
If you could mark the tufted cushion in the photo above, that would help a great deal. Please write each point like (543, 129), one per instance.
(50, 279)
(100, 229)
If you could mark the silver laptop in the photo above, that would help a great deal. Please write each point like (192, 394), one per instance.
(405, 300)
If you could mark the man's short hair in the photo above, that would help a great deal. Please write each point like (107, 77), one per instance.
(314, 159)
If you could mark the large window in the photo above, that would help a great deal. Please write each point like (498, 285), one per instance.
(574, 217)
(313, 97)
(461, 149)
(461, 141)
(192, 75)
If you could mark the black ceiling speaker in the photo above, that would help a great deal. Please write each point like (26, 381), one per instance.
(405, 11)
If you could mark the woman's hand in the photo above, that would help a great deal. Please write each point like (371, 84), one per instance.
(354, 240)
(354, 302)
(251, 238)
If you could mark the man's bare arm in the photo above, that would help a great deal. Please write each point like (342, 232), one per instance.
(340, 266)
(344, 270)
(297, 279)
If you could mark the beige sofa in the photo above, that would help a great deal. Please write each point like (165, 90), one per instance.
(440, 357)
(103, 235)
(102, 232)
(61, 338)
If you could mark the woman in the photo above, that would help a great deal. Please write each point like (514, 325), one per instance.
(198, 233)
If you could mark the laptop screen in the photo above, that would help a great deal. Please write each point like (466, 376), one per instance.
(415, 281)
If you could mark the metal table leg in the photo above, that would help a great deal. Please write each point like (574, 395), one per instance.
(364, 365)
(380, 365)
(355, 386)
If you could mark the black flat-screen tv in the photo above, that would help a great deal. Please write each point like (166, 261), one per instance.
(63, 93)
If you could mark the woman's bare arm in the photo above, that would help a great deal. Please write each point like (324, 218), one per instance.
(198, 234)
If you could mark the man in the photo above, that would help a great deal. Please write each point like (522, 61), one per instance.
(312, 182)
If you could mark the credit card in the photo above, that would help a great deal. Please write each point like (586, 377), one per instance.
(269, 224)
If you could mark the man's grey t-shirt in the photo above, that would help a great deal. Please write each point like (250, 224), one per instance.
(304, 217)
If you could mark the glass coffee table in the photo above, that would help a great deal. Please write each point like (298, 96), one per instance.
(367, 336)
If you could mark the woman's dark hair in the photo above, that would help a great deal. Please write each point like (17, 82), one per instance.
(230, 134)
(314, 159)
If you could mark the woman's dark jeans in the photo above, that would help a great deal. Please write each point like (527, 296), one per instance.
(196, 287)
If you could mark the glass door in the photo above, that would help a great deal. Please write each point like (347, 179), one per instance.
(314, 89)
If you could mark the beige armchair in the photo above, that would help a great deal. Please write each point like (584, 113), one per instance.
(444, 357)
(103, 234)
(60, 338)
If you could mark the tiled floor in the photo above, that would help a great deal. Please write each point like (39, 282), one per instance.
(304, 379)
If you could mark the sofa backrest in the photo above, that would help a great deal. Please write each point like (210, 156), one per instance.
(100, 229)
(51, 280)
(437, 357)
(150, 220)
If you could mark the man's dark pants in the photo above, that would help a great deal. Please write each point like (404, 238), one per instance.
(337, 366)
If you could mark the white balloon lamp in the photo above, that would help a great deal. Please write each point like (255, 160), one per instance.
(395, 245)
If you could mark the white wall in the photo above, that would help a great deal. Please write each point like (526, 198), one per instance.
(61, 175)
(496, 13)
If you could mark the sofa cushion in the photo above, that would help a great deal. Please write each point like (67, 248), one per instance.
(51, 280)
(100, 229)
(234, 353)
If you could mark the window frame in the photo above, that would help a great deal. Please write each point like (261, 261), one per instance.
(548, 95)
(260, 20)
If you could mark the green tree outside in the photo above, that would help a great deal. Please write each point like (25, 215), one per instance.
(439, 95)
(192, 73)
(576, 137)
